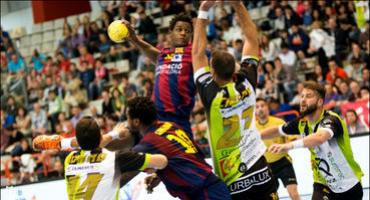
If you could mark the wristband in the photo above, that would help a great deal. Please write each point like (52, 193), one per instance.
(298, 144)
(203, 14)
(114, 134)
(65, 144)
(281, 132)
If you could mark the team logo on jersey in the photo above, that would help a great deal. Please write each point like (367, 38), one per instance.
(177, 58)
(179, 50)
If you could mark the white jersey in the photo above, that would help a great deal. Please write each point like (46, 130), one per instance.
(91, 175)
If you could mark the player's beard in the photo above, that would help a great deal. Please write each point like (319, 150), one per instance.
(309, 110)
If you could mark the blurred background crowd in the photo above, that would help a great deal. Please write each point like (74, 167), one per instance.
(48, 92)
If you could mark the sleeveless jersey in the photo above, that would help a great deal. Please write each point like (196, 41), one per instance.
(235, 142)
(91, 175)
(333, 163)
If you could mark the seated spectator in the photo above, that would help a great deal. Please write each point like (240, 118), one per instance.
(270, 91)
(128, 89)
(38, 60)
(331, 97)
(307, 17)
(279, 22)
(14, 140)
(287, 57)
(147, 28)
(77, 39)
(101, 78)
(344, 93)
(320, 39)
(49, 85)
(319, 77)
(76, 115)
(364, 92)
(104, 43)
(357, 53)
(21, 147)
(354, 125)
(355, 89)
(298, 39)
(355, 69)
(23, 122)
(269, 49)
(365, 77)
(39, 123)
(237, 49)
(16, 64)
(7, 120)
(291, 17)
(147, 65)
(147, 88)
(87, 76)
(297, 97)
(119, 102)
(335, 71)
(113, 55)
(107, 105)
(93, 39)
(65, 45)
(64, 63)
(85, 56)
(55, 106)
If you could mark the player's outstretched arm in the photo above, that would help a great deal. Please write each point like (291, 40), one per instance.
(149, 51)
(249, 29)
(157, 161)
(311, 141)
(270, 132)
(57, 142)
(200, 37)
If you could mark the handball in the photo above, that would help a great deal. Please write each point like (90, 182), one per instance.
(117, 31)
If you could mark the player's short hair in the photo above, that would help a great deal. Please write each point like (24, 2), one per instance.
(181, 17)
(261, 99)
(88, 133)
(223, 64)
(318, 88)
(142, 108)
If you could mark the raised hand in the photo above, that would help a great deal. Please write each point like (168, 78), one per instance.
(131, 32)
(122, 130)
(206, 5)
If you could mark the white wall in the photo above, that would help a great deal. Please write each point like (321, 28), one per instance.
(16, 19)
(25, 18)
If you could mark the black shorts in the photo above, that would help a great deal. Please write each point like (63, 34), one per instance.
(323, 192)
(257, 183)
(283, 170)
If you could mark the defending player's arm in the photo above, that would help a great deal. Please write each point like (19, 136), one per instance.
(249, 29)
(289, 128)
(149, 51)
(249, 63)
(328, 128)
(199, 58)
(131, 161)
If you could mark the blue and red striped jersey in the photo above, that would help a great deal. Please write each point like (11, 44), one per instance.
(187, 171)
(174, 88)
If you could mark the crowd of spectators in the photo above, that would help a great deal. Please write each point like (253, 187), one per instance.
(48, 94)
